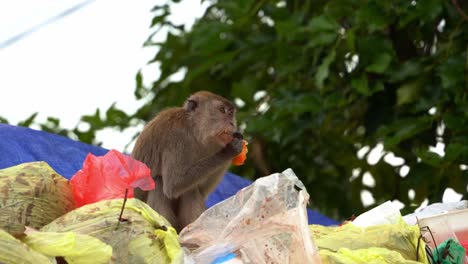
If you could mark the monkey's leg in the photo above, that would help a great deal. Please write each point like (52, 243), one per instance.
(191, 206)
(140, 194)
(163, 205)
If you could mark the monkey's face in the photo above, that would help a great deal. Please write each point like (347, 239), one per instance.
(215, 118)
(227, 122)
(222, 122)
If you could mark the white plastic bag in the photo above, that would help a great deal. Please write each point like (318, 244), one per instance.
(265, 222)
(386, 213)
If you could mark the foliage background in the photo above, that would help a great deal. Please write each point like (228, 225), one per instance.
(317, 82)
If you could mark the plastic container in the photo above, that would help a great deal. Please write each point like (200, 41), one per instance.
(453, 224)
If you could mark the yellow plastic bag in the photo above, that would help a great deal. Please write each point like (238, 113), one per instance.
(33, 195)
(400, 238)
(369, 255)
(13, 251)
(74, 248)
(145, 236)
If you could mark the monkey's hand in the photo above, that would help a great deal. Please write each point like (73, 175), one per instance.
(234, 147)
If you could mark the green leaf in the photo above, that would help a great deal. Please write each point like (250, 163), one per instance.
(322, 39)
(408, 69)
(323, 70)
(429, 157)
(286, 28)
(245, 89)
(140, 90)
(206, 65)
(351, 40)
(54, 121)
(293, 105)
(453, 151)
(94, 120)
(323, 23)
(373, 16)
(407, 129)
(28, 122)
(361, 84)
(380, 64)
(409, 92)
(452, 72)
(116, 117)
(159, 19)
(159, 7)
(210, 38)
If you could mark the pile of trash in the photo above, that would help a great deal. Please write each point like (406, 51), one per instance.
(41, 223)
(266, 223)
(44, 218)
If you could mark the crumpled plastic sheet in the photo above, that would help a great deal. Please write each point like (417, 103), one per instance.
(386, 213)
(107, 177)
(74, 248)
(435, 209)
(401, 238)
(145, 236)
(265, 222)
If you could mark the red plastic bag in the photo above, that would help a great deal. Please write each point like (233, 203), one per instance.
(107, 177)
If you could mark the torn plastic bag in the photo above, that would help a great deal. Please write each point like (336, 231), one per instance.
(108, 177)
(74, 248)
(144, 236)
(265, 222)
(13, 251)
(33, 194)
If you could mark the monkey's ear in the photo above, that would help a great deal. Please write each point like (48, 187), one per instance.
(191, 105)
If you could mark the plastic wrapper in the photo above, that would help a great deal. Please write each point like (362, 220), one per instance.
(74, 248)
(108, 177)
(265, 222)
(438, 228)
(13, 251)
(400, 238)
(144, 236)
(33, 194)
(449, 252)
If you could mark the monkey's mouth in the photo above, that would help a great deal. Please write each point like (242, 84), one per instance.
(225, 136)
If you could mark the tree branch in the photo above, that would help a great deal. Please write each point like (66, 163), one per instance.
(460, 10)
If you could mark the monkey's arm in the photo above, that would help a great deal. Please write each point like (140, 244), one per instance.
(178, 181)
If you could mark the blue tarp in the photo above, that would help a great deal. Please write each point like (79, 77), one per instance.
(66, 156)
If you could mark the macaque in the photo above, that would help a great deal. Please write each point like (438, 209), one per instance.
(188, 150)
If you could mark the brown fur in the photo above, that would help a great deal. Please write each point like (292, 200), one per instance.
(188, 154)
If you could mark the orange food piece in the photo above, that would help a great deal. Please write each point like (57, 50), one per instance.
(239, 159)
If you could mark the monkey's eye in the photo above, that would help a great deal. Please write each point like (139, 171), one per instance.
(222, 110)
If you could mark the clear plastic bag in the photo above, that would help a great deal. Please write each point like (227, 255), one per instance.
(265, 222)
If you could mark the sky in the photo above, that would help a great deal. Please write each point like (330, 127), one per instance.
(87, 60)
